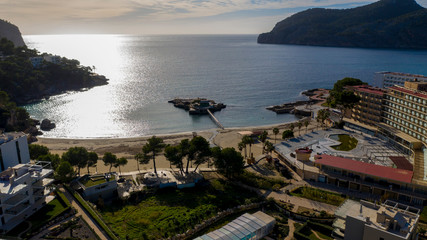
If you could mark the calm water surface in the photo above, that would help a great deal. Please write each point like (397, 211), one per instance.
(147, 71)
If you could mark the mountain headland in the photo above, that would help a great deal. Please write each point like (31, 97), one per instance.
(397, 24)
(11, 32)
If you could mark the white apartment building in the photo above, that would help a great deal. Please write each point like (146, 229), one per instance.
(389, 79)
(13, 150)
(23, 186)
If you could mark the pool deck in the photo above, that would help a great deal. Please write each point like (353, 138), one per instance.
(369, 149)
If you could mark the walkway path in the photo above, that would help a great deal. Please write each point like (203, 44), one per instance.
(80, 212)
(291, 229)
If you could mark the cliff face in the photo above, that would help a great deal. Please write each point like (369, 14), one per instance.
(383, 24)
(11, 32)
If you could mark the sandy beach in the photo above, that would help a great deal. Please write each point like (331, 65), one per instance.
(128, 147)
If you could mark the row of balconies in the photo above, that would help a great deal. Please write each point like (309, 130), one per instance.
(406, 127)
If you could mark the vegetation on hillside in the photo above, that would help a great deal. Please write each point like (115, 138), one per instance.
(383, 24)
(24, 83)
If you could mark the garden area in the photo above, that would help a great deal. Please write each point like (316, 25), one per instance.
(348, 142)
(170, 211)
(89, 181)
(318, 195)
(262, 182)
(50, 211)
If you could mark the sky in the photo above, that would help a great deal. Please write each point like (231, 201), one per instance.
(157, 16)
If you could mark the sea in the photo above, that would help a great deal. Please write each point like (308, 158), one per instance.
(145, 72)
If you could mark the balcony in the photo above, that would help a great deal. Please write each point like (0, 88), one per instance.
(15, 200)
(18, 209)
(43, 183)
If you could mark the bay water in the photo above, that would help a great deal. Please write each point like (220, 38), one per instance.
(147, 71)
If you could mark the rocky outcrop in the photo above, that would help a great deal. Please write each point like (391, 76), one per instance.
(12, 33)
(383, 24)
(47, 125)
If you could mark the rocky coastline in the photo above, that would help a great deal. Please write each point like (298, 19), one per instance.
(315, 96)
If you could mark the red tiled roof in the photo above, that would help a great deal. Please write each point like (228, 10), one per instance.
(400, 175)
(408, 91)
(402, 163)
(369, 89)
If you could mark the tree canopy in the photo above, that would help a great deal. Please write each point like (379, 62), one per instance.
(228, 161)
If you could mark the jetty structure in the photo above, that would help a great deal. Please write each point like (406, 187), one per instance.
(197, 106)
(315, 96)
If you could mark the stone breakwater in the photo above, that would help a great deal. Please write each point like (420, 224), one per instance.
(197, 105)
(315, 96)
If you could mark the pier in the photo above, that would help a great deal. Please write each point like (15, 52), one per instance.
(215, 120)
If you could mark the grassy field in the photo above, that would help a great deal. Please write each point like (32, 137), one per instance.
(423, 215)
(172, 211)
(318, 195)
(347, 143)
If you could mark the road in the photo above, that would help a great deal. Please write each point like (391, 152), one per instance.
(80, 212)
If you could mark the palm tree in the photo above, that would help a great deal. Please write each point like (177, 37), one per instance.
(242, 146)
(275, 132)
(306, 123)
(292, 127)
(299, 124)
(269, 147)
(247, 140)
(263, 138)
(150, 150)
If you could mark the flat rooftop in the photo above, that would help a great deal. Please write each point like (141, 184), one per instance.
(9, 136)
(374, 214)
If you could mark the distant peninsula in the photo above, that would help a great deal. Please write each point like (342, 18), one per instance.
(27, 76)
(399, 24)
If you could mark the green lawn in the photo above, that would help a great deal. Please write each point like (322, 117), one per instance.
(87, 182)
(173, 211)
(347, 143)
(318, 195)
(47, 213)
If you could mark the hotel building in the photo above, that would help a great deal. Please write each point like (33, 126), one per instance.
(23, 186)
(405, 123)
(389, 79)
(368, 112)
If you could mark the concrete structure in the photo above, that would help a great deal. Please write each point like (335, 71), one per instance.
(105, 187)
(36, 61)
(365, 221)
(248, 226)
(24, 189)
(13, 150)
(389, 79)
(52, 58)
(23, 186)
(368, 110)
(405, 124)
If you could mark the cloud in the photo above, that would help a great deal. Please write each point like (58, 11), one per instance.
(117, 16)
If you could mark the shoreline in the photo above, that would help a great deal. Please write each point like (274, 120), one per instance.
(128, 147)
(172, 135)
